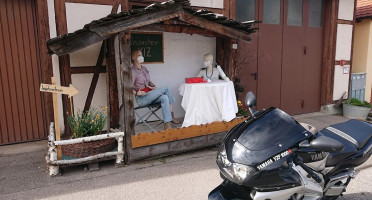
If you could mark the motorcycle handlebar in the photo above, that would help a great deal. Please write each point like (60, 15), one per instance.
(299, 161)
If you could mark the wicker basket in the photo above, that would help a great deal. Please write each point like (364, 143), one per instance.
(85, 149)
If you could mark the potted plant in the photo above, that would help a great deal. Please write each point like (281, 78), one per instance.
(356, 109)
(242, 110)
(86, 124)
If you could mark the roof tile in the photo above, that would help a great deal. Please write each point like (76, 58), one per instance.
(364, 9)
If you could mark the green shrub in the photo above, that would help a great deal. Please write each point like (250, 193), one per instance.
(357, 102)
(88, 123)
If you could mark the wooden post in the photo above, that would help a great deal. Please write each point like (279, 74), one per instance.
(112, 84)
(64, 61)
(127, 93)
(232, 58)
(329, 51)
(53, 169)
(56, 120)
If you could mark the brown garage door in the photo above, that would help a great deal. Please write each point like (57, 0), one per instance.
(288, 55)
(21, 114)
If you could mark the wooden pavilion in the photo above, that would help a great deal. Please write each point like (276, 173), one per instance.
(175, 16)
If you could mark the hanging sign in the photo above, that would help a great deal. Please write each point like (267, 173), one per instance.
(151, 45)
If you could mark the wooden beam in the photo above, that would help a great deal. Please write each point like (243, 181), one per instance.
(80, 40)
(120, 25)
(352, 47)
(112, 83)
(64, 61)
(226, 8)
(95, 78)
(178, 29)
(148, 2)
(87, 69)
(214, 10)
(347, 62)
(329, 51)
(169, 135)
(215, 27)
(127, 93)
(341, 21)
(125, 6)
(45, 60)
(99, 2)
(232, 9)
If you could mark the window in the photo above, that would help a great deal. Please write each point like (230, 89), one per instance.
(245, 10)
(294, 17)
(271, 12)
(316, 13)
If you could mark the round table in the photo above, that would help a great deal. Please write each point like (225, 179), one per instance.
(205, 103)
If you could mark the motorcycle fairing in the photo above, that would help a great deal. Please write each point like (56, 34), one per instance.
(279, 134)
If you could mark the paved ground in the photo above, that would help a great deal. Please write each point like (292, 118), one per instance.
(23, 175)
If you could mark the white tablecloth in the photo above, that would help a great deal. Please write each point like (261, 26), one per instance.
(208, 102)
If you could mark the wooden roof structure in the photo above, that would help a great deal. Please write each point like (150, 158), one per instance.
(175, 16)
(184, 16)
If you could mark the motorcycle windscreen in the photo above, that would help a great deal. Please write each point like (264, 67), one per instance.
(274, 128)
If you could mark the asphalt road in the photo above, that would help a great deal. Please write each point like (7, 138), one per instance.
(23, 175)
(187, 176)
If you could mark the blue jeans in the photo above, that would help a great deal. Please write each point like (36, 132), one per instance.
(160, 95)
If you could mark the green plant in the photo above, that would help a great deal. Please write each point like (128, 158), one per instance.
(357, 102)
(88, 123)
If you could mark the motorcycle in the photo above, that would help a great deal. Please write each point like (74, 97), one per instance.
(271, 156)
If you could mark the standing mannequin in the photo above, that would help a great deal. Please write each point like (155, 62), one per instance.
(210, 73)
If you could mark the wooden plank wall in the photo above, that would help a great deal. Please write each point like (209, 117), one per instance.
(170, 135)
(21, 104)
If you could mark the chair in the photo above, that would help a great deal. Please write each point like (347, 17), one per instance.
(144, 118)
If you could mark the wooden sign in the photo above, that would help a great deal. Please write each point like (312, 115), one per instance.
(151, 45)
(57, 89)
(70, 91)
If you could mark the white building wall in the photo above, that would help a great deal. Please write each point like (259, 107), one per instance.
(346, 10)
(207, 3)
(183, 57)
(343, 48)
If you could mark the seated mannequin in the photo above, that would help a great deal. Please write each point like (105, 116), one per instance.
(210, 73)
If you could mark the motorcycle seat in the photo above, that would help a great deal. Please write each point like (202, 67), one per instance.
(353, 134)
(309, 128)
(356, 132)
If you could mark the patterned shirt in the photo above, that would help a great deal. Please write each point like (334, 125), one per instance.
(141, 77)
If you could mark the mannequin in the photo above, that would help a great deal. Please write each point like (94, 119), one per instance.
(210, 73)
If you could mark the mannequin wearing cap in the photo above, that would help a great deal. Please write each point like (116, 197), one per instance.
(147, 93)
(210, 73)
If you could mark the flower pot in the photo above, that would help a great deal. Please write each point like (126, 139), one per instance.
(86, 149)
(355, 112)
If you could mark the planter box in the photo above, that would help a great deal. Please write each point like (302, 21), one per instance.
(355, 112)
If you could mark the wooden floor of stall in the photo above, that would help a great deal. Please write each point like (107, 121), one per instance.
(177, 140)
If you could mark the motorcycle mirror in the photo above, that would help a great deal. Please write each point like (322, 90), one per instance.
(304, 144)
(250, 101)
(326, 144)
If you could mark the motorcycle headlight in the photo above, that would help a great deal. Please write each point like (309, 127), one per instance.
(235, 172)
(242, 172)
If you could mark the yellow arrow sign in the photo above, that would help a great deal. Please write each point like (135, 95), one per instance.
(70, 91)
